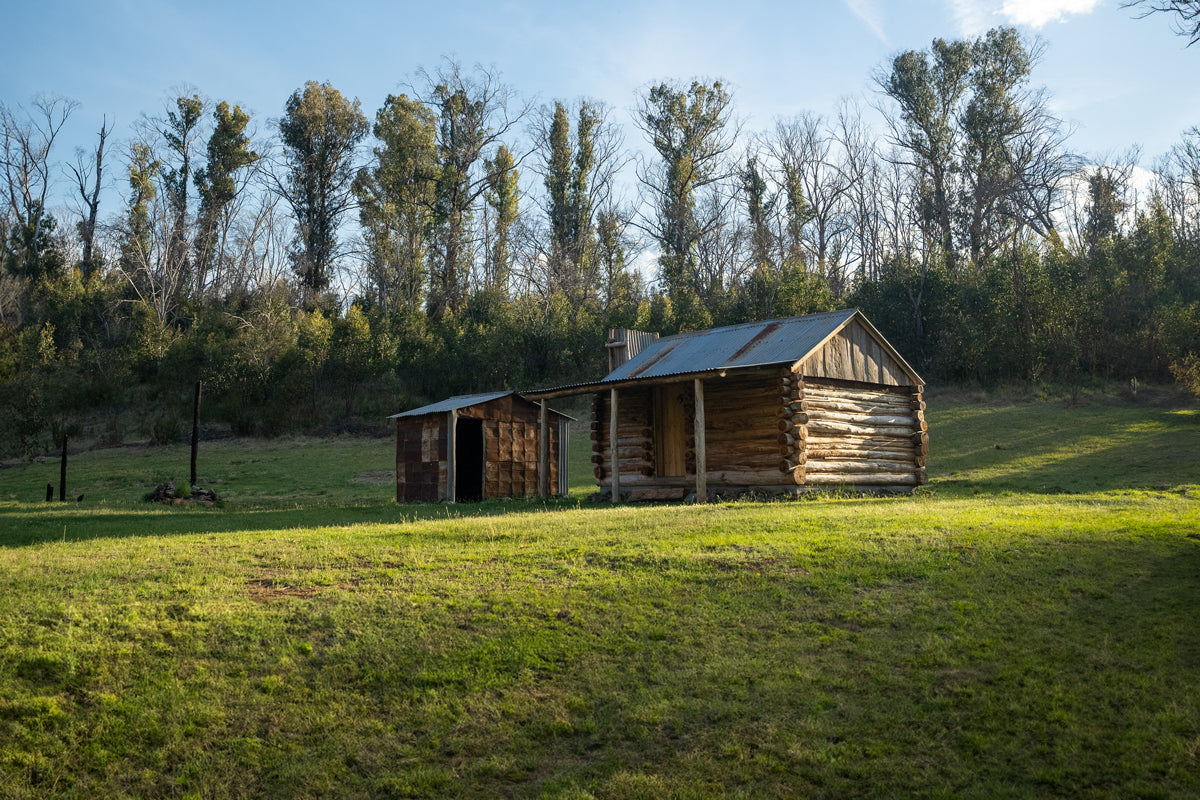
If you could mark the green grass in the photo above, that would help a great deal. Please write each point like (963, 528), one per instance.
(1025, 628)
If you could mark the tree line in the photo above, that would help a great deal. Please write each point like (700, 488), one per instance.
(328, 267)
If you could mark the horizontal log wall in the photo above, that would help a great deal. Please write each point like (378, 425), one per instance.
(773, 427)
(741, 435)
(742, 413)
(635, 442)
(862, 436)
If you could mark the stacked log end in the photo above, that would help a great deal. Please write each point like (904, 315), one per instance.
(793, 427)
(635, 442)
(864, 437)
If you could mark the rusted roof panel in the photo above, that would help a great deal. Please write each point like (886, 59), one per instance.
(779, 341)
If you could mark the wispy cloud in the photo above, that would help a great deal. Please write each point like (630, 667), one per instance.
(870, 14)
(976, 16)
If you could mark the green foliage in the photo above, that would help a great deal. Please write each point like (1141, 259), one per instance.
(320, 132)
(1187, 372)
(690, 128)
(228, 152)
(395, 200)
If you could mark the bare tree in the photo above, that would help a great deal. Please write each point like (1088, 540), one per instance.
(84, 173)
(862, 171)
(803, 146)
(27, 138)
(1177, 184)
(1186, 14)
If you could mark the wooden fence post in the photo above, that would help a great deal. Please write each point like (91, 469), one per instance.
(195, 434)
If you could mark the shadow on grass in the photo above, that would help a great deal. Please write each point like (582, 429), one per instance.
(29, 524)
(1043, 448)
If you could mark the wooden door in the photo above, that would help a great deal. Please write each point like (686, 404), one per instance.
(670, 431)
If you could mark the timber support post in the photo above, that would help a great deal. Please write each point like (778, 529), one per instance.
(543, 450)
(451, 442)
(612, 445)
(701, 456)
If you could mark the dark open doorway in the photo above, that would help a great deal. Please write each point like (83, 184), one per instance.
(468, 461)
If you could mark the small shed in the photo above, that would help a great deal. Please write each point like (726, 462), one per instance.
(779, 406)
(480, 447)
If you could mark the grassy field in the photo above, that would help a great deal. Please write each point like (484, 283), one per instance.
(1025, 627)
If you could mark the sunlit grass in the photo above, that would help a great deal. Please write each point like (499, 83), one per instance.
(1017, 629)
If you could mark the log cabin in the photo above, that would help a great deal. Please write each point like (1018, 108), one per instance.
(775, 407)
(480, 447)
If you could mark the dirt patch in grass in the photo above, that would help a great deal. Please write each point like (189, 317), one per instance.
(267, 589)
(376, 477)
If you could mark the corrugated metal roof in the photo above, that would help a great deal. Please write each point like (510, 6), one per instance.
(465, 401)
(452, 404)
(753, 344)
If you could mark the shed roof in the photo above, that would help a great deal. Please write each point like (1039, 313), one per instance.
(752, 344)
(462, 401)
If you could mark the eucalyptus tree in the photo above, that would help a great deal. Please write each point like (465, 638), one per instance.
(146, 240)
(616, 249)
(228, 155)
(760, 205)
(927, 89)
(475, 112)
(989, 156)
(502, 200)
(577, 170)
(693, 131)
(320, 132)
(395, 195)
(180, 132)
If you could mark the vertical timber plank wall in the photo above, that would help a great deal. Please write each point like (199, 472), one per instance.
(853, 354)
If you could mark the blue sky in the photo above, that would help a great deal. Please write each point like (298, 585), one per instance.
(1121, 80)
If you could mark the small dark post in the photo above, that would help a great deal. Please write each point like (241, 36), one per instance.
(195, 432)
(49, 492)
(62, 473)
